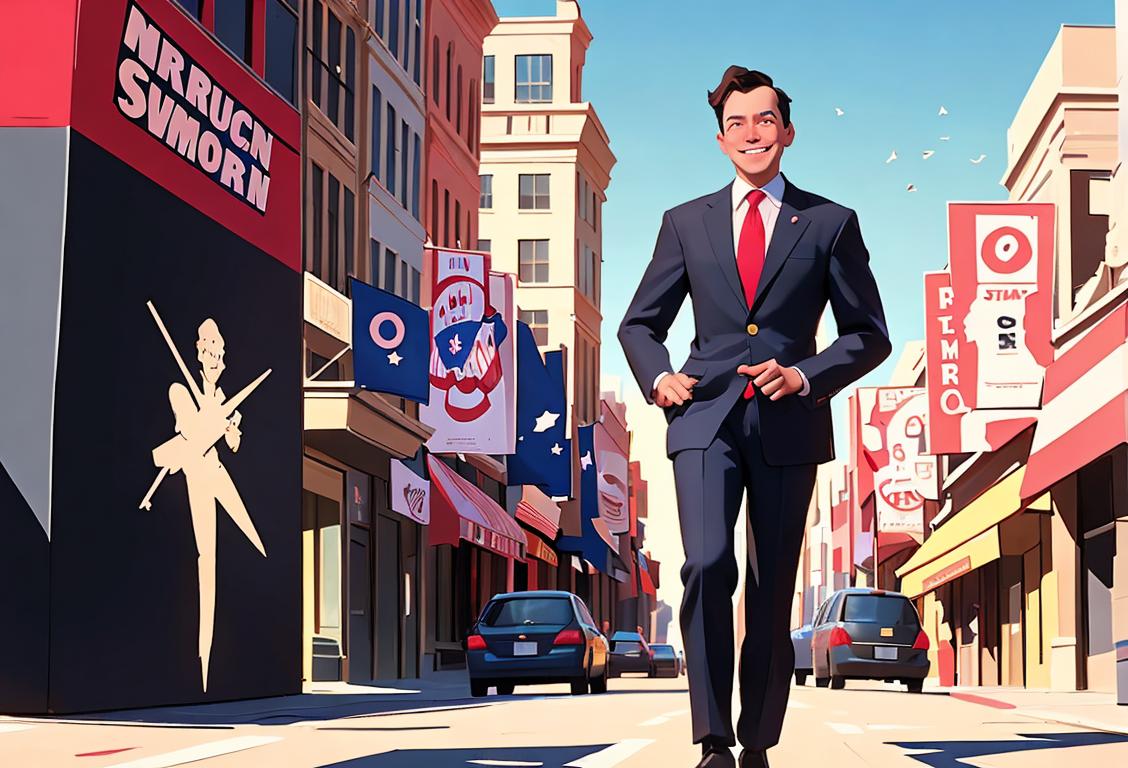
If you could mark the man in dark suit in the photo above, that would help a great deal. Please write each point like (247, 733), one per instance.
(749, 411)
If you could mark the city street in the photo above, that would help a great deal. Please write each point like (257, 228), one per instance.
(639, 722)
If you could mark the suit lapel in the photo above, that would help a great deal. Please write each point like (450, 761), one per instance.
(718, 225)
(789, 227)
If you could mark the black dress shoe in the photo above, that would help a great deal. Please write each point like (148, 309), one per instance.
(717, 757)
(754, 758)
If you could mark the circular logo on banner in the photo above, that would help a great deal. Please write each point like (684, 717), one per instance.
(900, 499)
(376, 332)
(1006, 250)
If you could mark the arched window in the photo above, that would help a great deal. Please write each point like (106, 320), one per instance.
(458, 116)
(449, 65)
(472, 123)
(435, 70)
(434, 211)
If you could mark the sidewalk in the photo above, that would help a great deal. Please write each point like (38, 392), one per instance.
(1093, 710)
(317, 702)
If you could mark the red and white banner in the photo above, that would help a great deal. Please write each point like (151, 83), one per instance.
(1001, 262)
(612, 444)
(411, 494)
(473, 402)
(893, 441)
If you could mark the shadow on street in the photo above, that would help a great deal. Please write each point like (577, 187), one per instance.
(548, 757)
(951, 754)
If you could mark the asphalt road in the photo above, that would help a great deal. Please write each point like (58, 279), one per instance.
(638, 723)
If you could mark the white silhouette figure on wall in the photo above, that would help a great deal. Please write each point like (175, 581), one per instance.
(203, 416)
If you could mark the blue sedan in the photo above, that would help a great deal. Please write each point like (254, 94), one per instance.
(532, 638)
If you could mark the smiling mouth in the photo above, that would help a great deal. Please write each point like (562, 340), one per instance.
(754, 151)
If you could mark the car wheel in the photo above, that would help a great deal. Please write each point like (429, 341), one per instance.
(580, 686)
(479, 688)
(599, 684)
(837, 682)
(505, 689)
(800, 678)
(915, 686)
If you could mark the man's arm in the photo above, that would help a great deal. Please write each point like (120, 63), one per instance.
(652, 311)
(863, 337)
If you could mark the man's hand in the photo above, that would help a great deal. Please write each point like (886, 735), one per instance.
(773, 379)
(674, 389)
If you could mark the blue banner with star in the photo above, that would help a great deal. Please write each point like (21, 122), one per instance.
(589, 544)
(391, 340)
(543, 454)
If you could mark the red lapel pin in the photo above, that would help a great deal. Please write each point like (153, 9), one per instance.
(794, 219)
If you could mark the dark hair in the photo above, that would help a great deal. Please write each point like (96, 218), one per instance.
(737, 78)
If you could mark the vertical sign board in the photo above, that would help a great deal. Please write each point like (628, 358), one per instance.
(894, 426)
(175, 428)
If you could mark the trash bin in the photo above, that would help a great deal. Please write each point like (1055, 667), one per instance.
(326, 658)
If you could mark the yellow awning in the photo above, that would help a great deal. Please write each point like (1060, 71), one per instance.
(971, 533)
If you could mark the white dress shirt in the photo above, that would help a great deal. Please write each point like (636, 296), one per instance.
(769, 212)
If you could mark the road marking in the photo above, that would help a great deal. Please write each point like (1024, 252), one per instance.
(676, 713)
(199, 752)
(516, 763)
(793, 704)
(612, 755)
(892, 727)
(14, 727)
(845, 729)
(655, 721)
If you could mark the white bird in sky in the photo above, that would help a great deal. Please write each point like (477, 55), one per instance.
(892, 157)
(945, 138)
(911, 188)
(927, 154)
(838, 111)
(943, 110)
(978, 160)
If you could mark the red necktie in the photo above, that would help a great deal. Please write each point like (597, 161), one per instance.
(750, 255)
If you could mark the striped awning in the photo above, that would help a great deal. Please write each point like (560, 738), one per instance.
(461, 510)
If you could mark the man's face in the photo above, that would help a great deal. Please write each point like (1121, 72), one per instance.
(752, 134)
(209, 351)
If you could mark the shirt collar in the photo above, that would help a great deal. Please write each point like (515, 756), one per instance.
(773, 190)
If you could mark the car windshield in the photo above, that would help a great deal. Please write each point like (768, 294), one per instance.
(625, 646)
(528, 610)
(880, 609)
(664, 651)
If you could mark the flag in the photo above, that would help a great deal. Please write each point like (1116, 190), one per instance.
(391, 343)
(543, 455)
(645, 579)
(590, 545)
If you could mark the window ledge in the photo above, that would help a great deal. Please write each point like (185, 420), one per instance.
(535, 210)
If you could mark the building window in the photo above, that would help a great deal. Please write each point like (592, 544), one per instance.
(416, 53)
(377, 131)
(317, 179)
(333, 221)
(337, 101)
(457, 224)
(282, 47)
(390, 157)
(532, 256)
(537, 320)
(192, 6)
(350, 84)
(532, 191)
(471, 122)
(318, 62)
(534, 79)
(446, 218)
(416, 280)
(435, 74)
(405, 143)
(484, 245)
(333, 104)
(350, 234)
(391, 259)
(487, 79)
(394, 28)
(449, 67)
(374, 262)
(485, 199)
(405, 281)
(379, 8)
(233, 26)
(416, 155)
(434, 211)
(458, 113)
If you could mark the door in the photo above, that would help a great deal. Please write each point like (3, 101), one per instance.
(360, 605)
(388, 598)
(1032, 624)
(409, 588)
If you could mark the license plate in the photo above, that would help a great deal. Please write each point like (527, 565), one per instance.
(524, 649)
(887, 652)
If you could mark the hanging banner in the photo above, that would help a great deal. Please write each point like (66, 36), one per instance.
(411, 494)
(473, 396)
(893, 434)
(612, 444)
(1001, 262)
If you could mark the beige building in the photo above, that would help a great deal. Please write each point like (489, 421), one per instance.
(545, 166)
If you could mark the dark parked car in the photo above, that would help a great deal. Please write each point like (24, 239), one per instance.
(666, 662)
(532, 638)
(869, 634)
(801, 642)
(629, 653)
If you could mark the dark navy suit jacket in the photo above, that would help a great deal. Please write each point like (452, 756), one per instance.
(816, 255)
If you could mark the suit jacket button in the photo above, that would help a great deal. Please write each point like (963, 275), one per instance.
(753, 329)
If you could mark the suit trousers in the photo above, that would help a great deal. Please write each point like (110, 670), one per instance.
(709, 486)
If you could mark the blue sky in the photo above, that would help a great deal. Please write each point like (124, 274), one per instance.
(888, 64)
